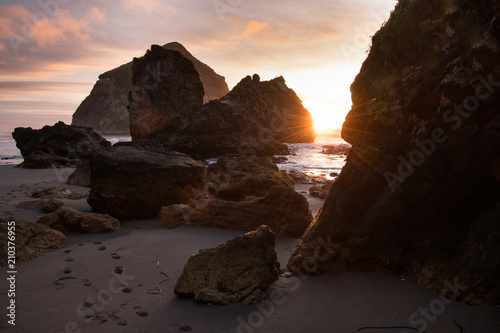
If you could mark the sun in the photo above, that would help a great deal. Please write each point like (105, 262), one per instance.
(325, 92)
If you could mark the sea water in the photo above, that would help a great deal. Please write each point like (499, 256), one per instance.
(312, 159)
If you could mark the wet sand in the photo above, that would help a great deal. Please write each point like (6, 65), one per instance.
(111, 279)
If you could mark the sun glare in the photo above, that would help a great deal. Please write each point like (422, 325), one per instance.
(325, 93)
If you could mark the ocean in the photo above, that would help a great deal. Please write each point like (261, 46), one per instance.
(313, 159)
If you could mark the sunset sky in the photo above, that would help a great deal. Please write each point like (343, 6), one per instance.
(52, 51)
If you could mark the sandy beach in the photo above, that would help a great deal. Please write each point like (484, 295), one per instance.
(115, 284)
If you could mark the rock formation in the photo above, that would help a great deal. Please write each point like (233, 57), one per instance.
(57, 146)
(66, 219)
(238, 271)
(81, 176)
(32, 239)
(131, 182)
(253, 118)
(420, 193)
(247, 192)
(105, 109)
(166, 89)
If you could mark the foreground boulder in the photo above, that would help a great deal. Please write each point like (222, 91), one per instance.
(246, 193)
(130, 182)
(166, 89)
(57, 146)
(105, 109)
(419, 195)
(238, 271)
(66, 219)
(32, 239)
(81, 176)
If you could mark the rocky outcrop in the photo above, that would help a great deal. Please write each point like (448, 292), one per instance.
(31, 240)
(56, 192)
(81, 176)
(419, 195)
(321, 190)
(246, 193)
(238, 271)
(166, 89)
(66, 219)
(45, 206)
(253, 119)
(105, 109)
(131, 182)
(57, 146)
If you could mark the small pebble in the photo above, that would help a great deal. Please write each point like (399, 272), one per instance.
(142, 313)
(127, 290)
(118, 269)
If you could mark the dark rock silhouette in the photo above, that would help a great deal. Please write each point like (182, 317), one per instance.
(420, 193)
(238, 271)
(247, 192)
(166, 89)
(57, 146)
(130, 182)
(105, 109)
(254, 118)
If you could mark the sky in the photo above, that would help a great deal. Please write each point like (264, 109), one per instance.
(52, 51)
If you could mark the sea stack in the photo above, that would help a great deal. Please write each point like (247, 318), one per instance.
(420, 193)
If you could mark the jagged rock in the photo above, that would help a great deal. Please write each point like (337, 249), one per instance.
(167, 89)
(419, 195)
(299, 177)
(235, 178)
(238, 271)
(284, 210)
(321, 190)
(247, 192)
(254, 118)
(56, 192)
(45, 206)
(31, 240)
(105, 109)
(131, 182)
(57, 146)
(66, 219)
(340, 149)
(81, 176)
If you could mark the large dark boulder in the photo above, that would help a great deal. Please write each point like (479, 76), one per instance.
(130, 182)
(57, 146)
(105, 109)
(253, 118)
(419, 195)
(238, 271)
(166, 89)
(247, 192)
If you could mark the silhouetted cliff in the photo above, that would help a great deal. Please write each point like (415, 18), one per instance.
(420, 193)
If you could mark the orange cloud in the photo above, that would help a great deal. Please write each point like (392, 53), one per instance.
(149, 5)
(18, 21)
(253, 27)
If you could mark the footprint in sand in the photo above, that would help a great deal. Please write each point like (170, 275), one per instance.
(127, 290)
(102, 248)
(67, 270)
(68, 259)
(87, 283)
(67, 251)
(118, 269)
(122, 322)
(115, 256)
(181, 327)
